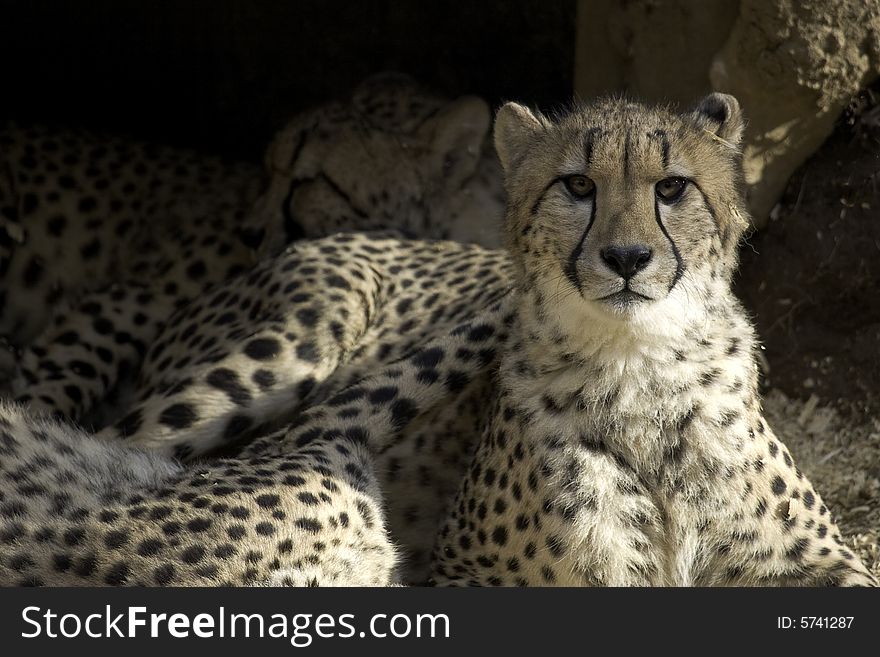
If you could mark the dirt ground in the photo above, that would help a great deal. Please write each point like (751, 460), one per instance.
(812, 280)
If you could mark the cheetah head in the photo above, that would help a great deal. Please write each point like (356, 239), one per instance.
(395, 157)
(620, 211)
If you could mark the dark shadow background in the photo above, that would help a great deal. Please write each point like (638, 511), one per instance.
(222, 75)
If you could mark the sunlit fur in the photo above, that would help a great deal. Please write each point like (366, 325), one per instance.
(627, 444)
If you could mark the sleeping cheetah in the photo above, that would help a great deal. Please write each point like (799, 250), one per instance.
(79, 211)
(254, 350)
(626, 444)
(332, 167)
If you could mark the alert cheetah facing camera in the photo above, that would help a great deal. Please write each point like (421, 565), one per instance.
(627, 444)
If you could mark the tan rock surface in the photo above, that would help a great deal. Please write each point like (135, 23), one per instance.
(793, 64)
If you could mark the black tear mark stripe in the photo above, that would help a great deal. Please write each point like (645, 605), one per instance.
(662, 137)
(571, 273)
(571, 265)
(589, 140)
(323, 177)
(293, 230)
(626, 157)
(679, 263)
(430, 115)
(298, 149)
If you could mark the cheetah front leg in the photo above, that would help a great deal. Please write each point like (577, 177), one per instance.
(85, 351)
(537, 513)
(783, 534)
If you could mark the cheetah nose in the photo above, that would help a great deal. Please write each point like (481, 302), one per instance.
(626, 261)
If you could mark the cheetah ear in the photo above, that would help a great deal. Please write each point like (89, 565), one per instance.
(456, 134)
(721, 115)
(516, 128)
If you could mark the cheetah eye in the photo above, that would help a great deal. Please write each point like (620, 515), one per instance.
(579, 186)
(669, 190)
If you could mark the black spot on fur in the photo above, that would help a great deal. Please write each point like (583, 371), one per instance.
(308, 352)
(308, 317)
(196, 270)
(227, 380)
(33, 273)
(308, 524)
(192, 554)
(130, 424)
(428, 358)
(264, 379)
(382, 395)
(403, 411)
(262, 348)
(499, 535)
(118, 574)
(150, 547)
(164, 575)
(237, 425)
(778, 485)
(178, 416)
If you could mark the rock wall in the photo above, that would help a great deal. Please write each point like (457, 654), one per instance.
(793, 64)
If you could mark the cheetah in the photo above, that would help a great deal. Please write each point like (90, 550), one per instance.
(331, 168)
(422, 414)
(83, 210)
(261, 346)
(78, 511)
(626, 444)
(298, 507)
(80, 212)
(258, 351)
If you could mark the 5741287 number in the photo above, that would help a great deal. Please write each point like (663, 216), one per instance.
(814, 622)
